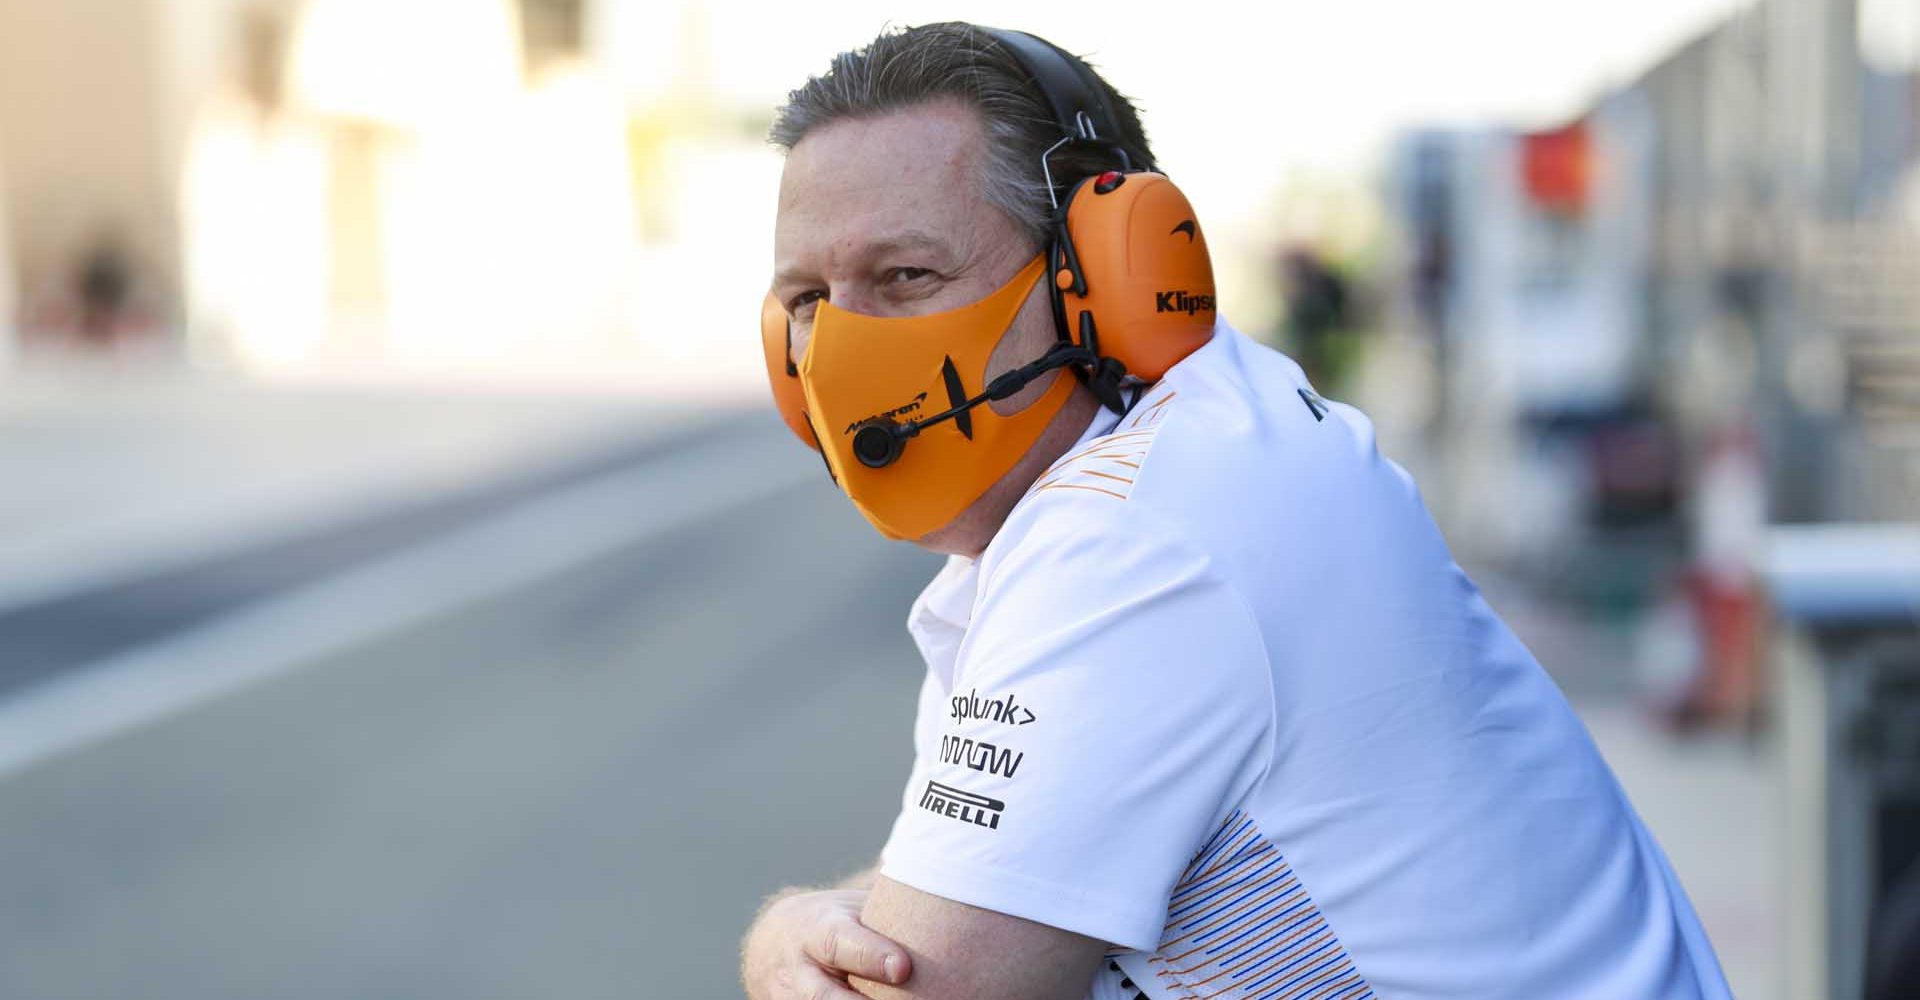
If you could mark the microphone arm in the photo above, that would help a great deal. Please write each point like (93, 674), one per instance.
(879, 443)
(1008, 383)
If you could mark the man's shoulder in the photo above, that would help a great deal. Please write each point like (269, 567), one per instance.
(1081, 530)
(1224, 438)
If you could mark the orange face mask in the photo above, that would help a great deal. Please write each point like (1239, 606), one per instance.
(881, 395)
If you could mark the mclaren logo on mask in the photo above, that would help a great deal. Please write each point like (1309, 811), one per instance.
(910, 406)
(1179, 301)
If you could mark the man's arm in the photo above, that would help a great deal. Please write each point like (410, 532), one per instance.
(962, 952)
(805, 941)
(860, 881)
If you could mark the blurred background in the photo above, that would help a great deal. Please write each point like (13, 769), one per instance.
(406, 589)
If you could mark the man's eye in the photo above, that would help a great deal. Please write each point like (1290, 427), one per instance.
(803, 303)
(904, 275)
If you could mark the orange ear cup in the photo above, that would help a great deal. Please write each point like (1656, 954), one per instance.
(1148, 277)
(781, 372)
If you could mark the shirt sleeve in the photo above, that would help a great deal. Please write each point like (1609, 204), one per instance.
(1111, 704)
(926, 740)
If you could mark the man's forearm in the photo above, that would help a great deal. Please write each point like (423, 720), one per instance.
(806, 941)
(861, 881)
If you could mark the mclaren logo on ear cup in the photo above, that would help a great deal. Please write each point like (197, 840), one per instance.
(1150, 295)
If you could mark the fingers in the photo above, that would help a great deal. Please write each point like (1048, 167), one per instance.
(807, 982)
(804, 947)
(842, 943)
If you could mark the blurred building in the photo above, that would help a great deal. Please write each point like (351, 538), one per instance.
(427, 188)
(95, 101)
(1522, 264)
(1686, 315)
(1729, 239)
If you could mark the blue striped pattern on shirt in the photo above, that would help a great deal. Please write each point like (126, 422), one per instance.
(1241, 927)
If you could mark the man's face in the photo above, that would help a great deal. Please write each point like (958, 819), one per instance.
(884, 216)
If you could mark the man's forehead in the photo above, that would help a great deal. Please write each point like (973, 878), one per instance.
(905, 179)
(930, 136)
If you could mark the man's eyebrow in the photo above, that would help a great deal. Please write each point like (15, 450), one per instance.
(789, 276)
(905, 239)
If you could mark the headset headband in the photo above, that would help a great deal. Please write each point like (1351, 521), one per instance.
(1069, 86)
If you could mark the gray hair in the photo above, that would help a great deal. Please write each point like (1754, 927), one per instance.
(952, 59)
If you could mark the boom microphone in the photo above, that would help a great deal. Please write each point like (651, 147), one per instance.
(879, 442)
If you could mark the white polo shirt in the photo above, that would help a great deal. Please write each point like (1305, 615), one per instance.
(1217, 694)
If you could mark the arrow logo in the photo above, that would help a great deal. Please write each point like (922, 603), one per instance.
(1315, 405)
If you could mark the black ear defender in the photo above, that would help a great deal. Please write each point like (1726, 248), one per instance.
(1132, 281)
(1085, 116)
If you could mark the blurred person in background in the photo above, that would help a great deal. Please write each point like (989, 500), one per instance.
(1317, 316)
(1893, 950)
(1209, 709)
(104, 284)
(100, 308)
(9, 292)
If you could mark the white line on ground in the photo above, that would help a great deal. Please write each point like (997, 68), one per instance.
(260, 503)
(520, 546)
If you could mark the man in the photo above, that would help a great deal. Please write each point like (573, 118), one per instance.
(1209, 710)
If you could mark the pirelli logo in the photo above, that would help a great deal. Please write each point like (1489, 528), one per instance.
(962, 805)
